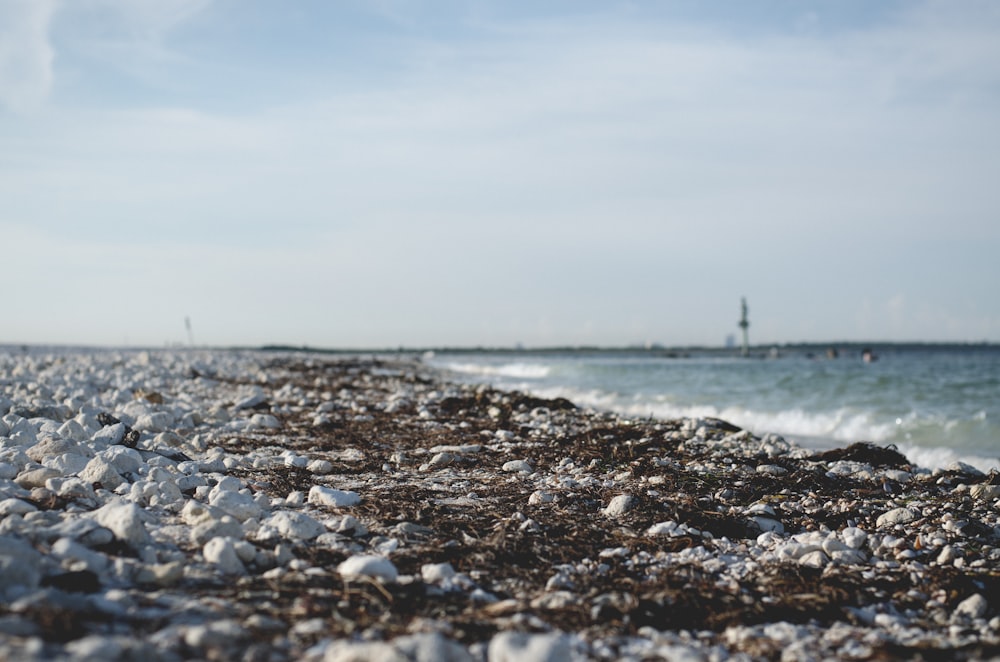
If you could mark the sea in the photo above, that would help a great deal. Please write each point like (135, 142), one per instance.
(937, 404)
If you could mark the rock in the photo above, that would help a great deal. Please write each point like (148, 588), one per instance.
(525, 647)
(668, 528)
(362, 651)
(436, 573)
(289, 524)
(222, 553)
(264, 422)
(771, 470)
(964, 468)
(984, 492)
(539, 497)
(125, 521)
(160, 574)
(947, 555)
(110, 435)
(517, 466)
(896, 516)
(35, 477)
(67, 549)
(68, 463)
(99, 471)
(14, 506)
(326, 496)
(96, 647)
(124, 460)
(431, 647)
(368, 565)
(972, 607)
(49, 447)
(226, 526)
(619, 505)
(426, 647)
(20, 564)
(814, 559)
(322, 467)
(239, 505)
(255, 399)
(766, 524)
(854, 537)
(74, 489)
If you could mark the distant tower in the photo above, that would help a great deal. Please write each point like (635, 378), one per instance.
(745, 324)
(187, 323)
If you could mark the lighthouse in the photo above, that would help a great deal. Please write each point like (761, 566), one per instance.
(744, 325)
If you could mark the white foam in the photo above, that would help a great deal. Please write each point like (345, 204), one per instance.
(517, 370)
(938, 457)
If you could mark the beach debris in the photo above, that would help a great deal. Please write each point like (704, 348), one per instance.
(204, 529)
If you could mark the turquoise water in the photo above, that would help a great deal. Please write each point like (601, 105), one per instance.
(937, 404)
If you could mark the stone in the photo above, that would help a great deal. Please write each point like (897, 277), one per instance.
(125, 521)
(20, 564)
(326, 496)
(68, 549)
(619, 505)
(99, 471)
(96, 647)
(362, 651)
(771, 470)
(239, 505)
(35, 477)
(896, 516)
(222, 553)
(768, 524)
(436, 573)
(289, 524)
(984, 492)
(972, 607)
(431, 647)
(14, 506)
(854, 537)
(124, 460)
(539, 497)
(517, 466)
(814, 559)
(50, 447)
(226, 526)
(68, 463)
(368, 565)
(527, 647)
(321, 467)
(110, 435)
(668, 528)
(264, 422)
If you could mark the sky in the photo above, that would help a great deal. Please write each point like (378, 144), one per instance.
(491, 172)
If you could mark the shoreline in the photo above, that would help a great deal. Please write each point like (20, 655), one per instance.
(279, 506)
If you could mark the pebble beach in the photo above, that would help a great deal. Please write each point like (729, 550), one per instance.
(259, 506)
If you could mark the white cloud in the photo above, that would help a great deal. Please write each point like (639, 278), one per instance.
(26, 54)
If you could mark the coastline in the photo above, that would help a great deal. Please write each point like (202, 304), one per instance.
(279, 506)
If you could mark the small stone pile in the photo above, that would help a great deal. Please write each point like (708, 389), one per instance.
(170, 505)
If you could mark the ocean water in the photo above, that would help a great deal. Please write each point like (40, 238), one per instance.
(937, 404)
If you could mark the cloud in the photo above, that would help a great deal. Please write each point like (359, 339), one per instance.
(26, 54)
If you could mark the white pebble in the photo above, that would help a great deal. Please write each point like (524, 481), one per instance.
(896, 516)
(619, 505)
(326, 496)
(124, 520)
(517, 465)
(526, 647)
(222, 553)
(368, 565)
